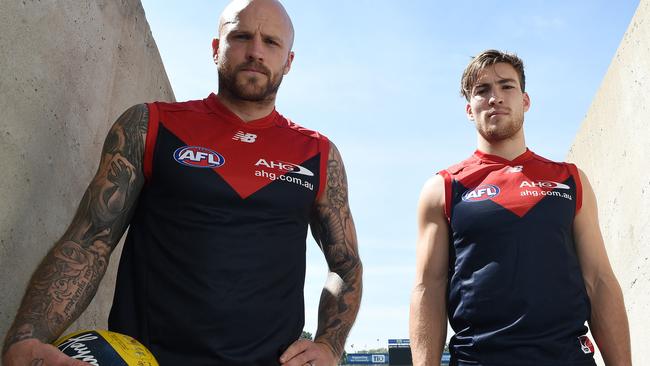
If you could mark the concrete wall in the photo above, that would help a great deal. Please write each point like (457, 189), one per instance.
(613, 148)
(68, 69)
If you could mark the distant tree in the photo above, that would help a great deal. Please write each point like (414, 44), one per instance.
(375, 350)
(344, 358)
(307, 335)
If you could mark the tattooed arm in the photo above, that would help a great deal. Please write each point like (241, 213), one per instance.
(68, 277)
(333, 229)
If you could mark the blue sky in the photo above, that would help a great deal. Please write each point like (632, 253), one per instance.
(381, 79)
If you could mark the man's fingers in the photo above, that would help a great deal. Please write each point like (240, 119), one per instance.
(73, 362)
(305, 352)
(301, 359)
(294, 349)
(56, 357)
(32, 352)
(78, 363)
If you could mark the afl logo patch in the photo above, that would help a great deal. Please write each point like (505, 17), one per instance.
(481, 193)
(198, 157)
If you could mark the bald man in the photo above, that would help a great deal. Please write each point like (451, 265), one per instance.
(217, 195)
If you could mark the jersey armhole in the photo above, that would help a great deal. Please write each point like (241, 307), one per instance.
(324, 147)
(447, 178)
(576, 178)
(150, 142)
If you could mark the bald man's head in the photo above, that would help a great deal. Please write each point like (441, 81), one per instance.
(253, 51)
(270, 11)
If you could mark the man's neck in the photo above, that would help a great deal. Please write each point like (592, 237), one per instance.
(508, 149)
(247, 110)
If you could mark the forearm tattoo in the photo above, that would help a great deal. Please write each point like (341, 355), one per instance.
(68, 277)
(333, 228)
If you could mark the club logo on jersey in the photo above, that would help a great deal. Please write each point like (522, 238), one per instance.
(481, 193)
(586, 345)
(543, 184)
(198, 157)
(285, 167)
(245, 137)
(515, 169)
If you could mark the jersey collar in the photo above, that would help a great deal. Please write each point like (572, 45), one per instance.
(487, 158)
(227, 115)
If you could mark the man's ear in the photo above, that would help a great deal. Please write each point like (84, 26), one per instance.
(468, 112)
(287, 66)
(215, 49)
(526, 102)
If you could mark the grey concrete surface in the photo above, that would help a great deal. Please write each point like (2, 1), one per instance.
(613, 148)
(68, 69)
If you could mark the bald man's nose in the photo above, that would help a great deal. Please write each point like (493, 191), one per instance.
(255, 50)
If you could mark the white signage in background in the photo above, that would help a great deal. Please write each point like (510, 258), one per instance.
(378, 358)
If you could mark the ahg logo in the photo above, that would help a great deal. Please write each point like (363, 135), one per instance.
(285, 167)
(543, 184)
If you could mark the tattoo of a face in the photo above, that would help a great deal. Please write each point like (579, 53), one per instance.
(68, 277)
(333, 228)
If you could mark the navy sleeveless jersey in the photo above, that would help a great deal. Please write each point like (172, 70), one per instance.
(213, 267)
(516, 292)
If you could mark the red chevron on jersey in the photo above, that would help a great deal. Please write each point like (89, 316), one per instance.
(248, 156)
(517, 185)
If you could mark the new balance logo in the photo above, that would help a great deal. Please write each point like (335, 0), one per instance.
(244, 137)
(515, 169)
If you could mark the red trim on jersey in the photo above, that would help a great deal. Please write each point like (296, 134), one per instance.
(525, 156)
(576, 177)
(324, 147)
(229, 116)
(445, 175)
(209, 124)
(150, 142)
(519, 192)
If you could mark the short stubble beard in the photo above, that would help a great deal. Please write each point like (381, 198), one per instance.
(501, 133)
(229, 84)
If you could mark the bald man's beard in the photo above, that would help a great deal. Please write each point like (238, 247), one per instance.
(256, 88)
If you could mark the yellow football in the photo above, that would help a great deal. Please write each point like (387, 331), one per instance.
(105, 348)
